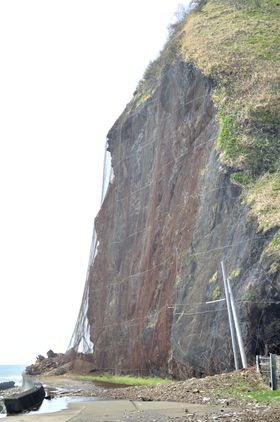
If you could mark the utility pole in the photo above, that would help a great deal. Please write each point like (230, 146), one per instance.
(237, 327)
(232, 334)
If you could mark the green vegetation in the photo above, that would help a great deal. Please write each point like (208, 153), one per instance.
(214, 278)
(172, 50)
(126, 380)
(229, 139)
(242, 385)
(276, 240)
(236, 44)
(248, 295)
(265, 396)
(235, 274)
(238, 385)
(178, 279)
(246, 386)
(264, 198)
(217, 293)
(274, 246)
(147, 84)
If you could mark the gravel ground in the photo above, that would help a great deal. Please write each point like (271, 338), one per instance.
(205, 391)
(211, 394)
(208, 390)
(238, 416)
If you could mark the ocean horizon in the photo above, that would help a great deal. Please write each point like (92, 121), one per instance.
(12, 373)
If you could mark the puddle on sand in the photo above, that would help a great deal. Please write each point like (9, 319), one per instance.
(59, 403)
(55, 405)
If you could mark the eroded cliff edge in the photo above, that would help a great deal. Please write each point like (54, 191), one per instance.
(170, 216)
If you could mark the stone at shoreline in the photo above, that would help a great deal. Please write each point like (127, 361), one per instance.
(6, 385)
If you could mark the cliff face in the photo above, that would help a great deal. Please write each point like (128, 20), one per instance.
(170, 216)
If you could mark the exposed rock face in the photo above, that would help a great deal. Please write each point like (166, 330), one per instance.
(170, 216)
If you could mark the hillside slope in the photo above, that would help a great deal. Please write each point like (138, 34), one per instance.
(195, 156)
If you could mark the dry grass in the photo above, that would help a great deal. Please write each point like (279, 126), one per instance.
(265, 200)
(236, 43)
(238, 49)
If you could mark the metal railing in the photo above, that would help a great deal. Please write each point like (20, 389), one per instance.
(269, 368)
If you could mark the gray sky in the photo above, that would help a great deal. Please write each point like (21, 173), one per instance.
(68, 68)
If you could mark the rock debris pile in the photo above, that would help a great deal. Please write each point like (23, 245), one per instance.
(56, 363)
(60, 363)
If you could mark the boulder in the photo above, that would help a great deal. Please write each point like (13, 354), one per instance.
(60, 371)
(6, 385)
(40, 358)
(51, 354)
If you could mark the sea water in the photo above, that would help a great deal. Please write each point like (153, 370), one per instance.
(12, 373)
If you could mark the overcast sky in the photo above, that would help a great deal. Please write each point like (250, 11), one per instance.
(68, 68)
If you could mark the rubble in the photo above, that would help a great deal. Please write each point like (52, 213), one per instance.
(61, 363)
(48, 364)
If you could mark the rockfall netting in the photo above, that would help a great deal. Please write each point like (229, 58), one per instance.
(80, 340)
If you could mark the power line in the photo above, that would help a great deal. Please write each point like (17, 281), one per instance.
(200, 312)
(174, 110)
(139, 273)
(82, 318)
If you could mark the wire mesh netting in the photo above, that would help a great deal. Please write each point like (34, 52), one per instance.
(80, 339)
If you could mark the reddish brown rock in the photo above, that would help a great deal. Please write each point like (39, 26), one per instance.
(170, 216)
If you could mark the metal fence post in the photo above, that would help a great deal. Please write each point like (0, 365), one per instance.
(273, 375)
(258, 364)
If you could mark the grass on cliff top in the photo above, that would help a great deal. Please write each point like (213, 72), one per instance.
(238, 47)
(126, 380)
(236, 43)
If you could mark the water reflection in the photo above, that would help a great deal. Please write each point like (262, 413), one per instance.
(56, 404)
(59, 403)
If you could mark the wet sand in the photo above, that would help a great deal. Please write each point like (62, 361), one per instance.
(69, 385)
